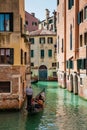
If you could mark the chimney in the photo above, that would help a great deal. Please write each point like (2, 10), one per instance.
(47, 17)
(47, 13)
(33, 14)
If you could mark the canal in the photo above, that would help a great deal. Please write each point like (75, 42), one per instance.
(63, 111)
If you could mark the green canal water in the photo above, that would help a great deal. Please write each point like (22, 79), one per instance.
(63, 111)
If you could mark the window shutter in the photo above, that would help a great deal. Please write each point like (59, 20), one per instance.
(79, 64)
(33, 40)
(85, 63)
(67, 64)
(79, 21)
(72, 2)
(11, 22)
(71, 40)
(40, 40)
(71, 64)
(48, 39)
(50, 53)
(69, 4)
(82, 64)
(32, 53)
(51, 40)
(21, 56)
(42, 53)
(25, 58)
(12, 56)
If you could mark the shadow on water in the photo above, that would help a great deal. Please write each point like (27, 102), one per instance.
(33, 121)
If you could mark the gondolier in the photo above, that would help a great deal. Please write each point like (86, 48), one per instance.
(29, 94)
(37, 103)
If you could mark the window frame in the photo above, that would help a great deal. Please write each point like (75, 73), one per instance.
(42, 40)
(9, 87)
(6, 21)
(7, 56)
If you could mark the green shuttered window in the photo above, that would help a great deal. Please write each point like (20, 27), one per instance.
(50, 53)
(42, 53)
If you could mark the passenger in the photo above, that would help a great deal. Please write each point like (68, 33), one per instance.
(40, 101)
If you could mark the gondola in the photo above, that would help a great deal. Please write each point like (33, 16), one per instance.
(34, 81)
(37, 103)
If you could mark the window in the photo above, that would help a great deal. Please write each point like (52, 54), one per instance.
(42, 53)
(62, 48)
(50, 53)
(34, 23)
(50, 40)
(6, 56)
(32, 53)
(5, 87)
(71, 37)
(54, 64)
(50, 21)
(85, 38)
(69, 64)
(42, 40)
(54, 74)
(21, 56)
(58, 44)
(25, 58)
(81, 38)
(32, 64)
(57, 2)
(31, 40)
(6, 22)
(80, 17)
(81, 81)
(26, 22)
(70, 3)
(81, 63)
(85, 12)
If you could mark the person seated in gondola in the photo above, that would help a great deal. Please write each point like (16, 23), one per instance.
(37, 102)
(40, 101)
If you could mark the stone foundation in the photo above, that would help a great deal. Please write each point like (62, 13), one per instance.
(16, 76)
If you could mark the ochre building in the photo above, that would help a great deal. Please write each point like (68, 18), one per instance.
(14, 54)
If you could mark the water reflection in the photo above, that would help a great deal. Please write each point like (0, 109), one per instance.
(33, 121)
(70, 112)
(63, 111)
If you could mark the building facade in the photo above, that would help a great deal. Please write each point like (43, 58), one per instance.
(14, 54)
(43, 54)
(71, 26)
(61, 43)
(82, 60)
(31, 22)
(49, 22)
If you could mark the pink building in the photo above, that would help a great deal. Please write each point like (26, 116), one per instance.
(72, 45)
(31, 22)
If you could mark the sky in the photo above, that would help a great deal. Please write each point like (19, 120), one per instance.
(38, 7)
